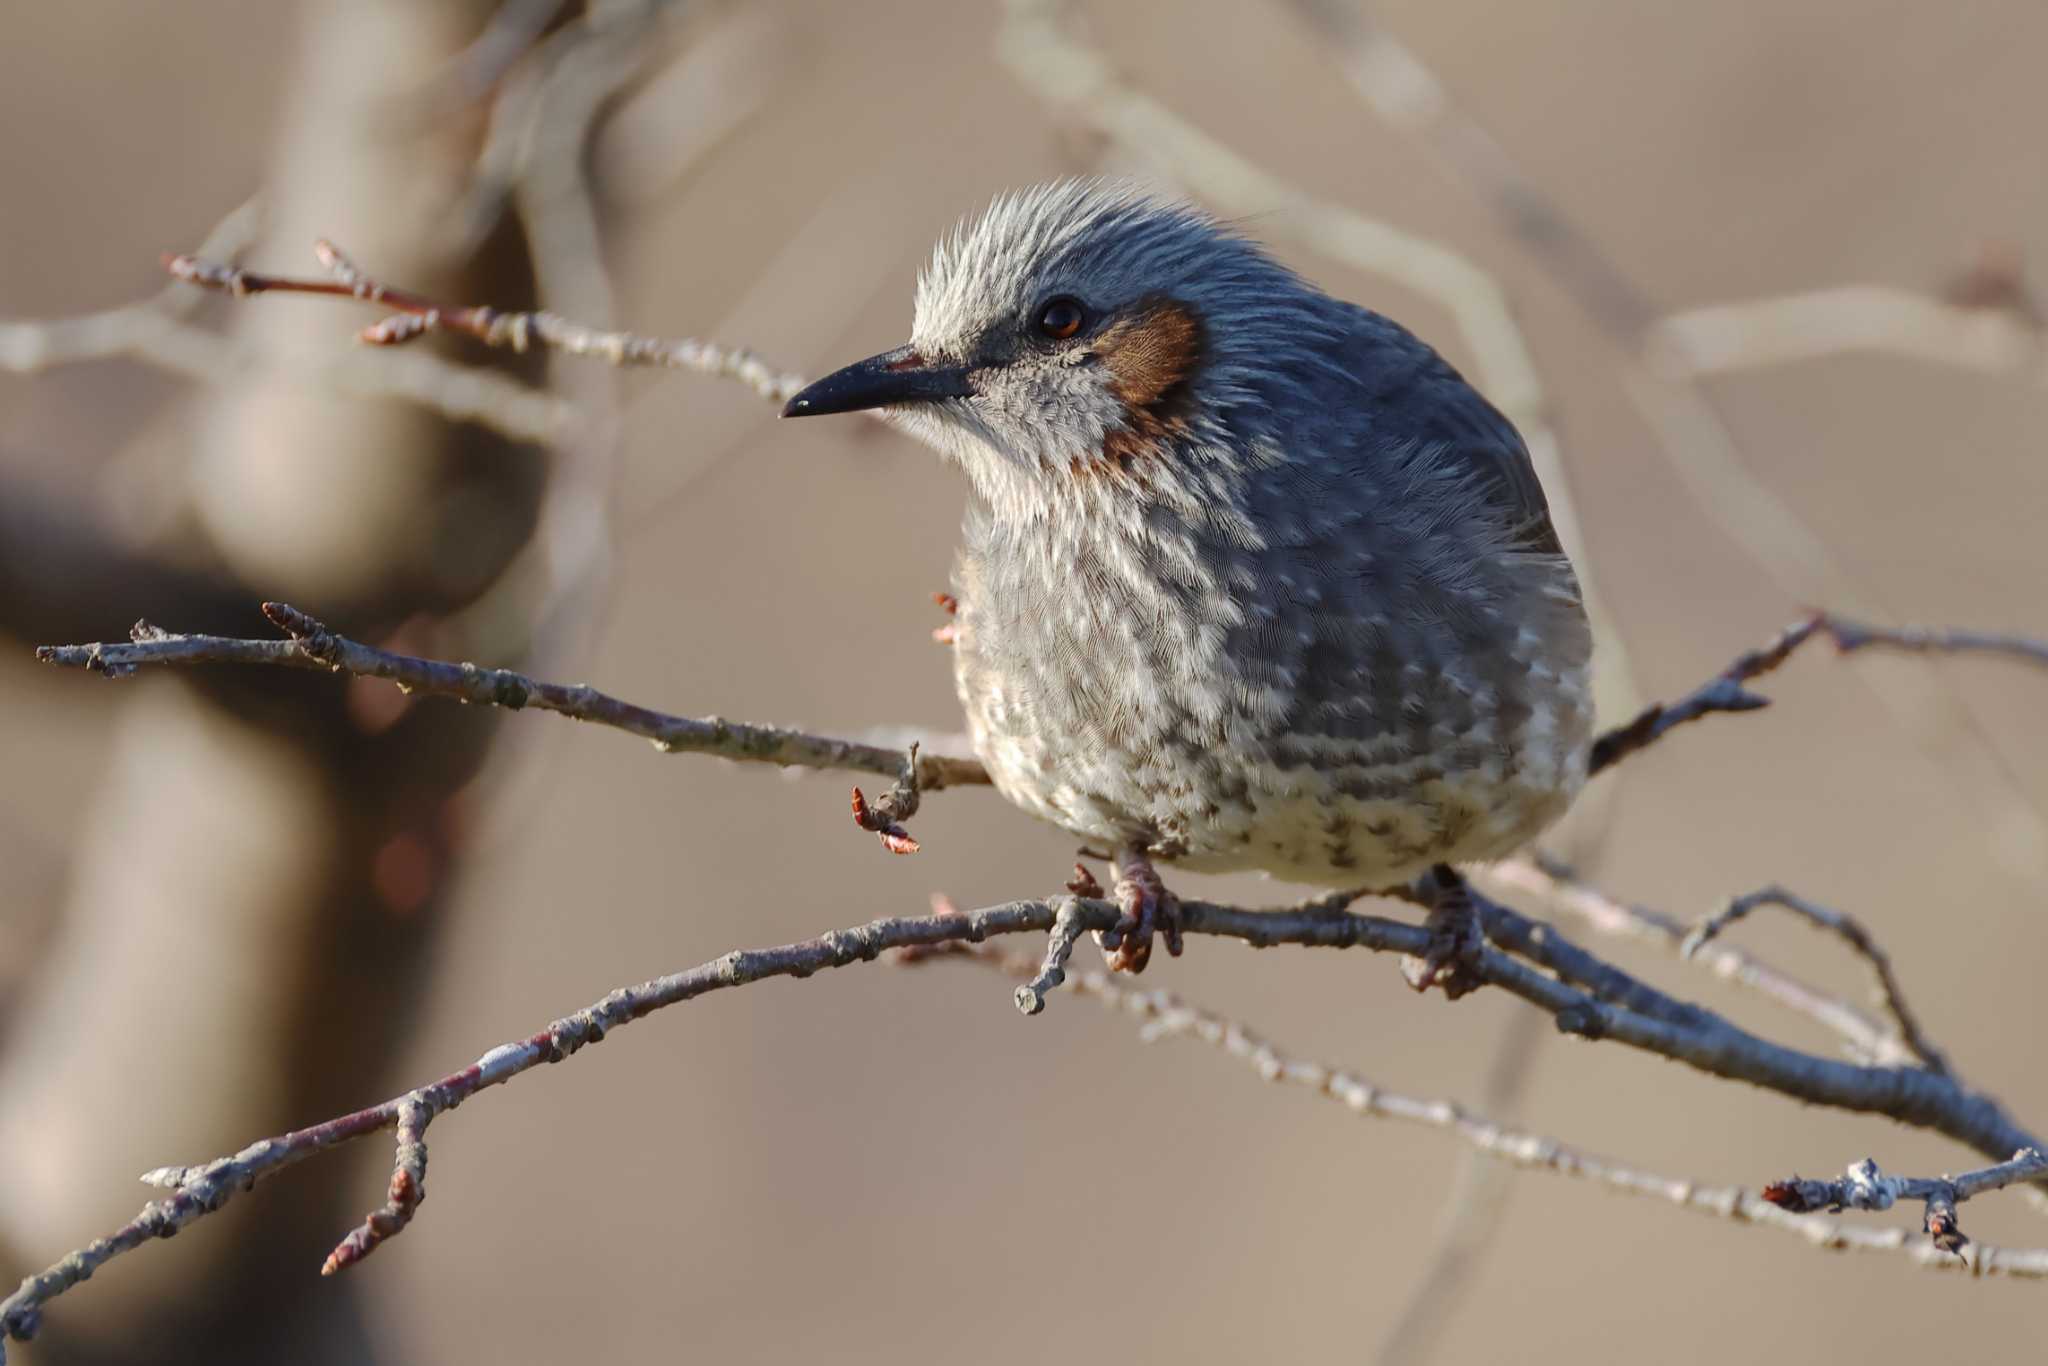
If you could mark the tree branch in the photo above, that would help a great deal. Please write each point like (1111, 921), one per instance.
(312, 646)
(1858, 938)
(414, 315)
(201, 1189)
(1163, 1015)
(1724, 692)
(1627, 1011)
(156, 330)
(1865, 1187)
(1851, 636)
(1586, 996)
(1867, 1038)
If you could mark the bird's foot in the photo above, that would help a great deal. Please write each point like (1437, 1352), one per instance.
(1456, 939)
(1147, 909)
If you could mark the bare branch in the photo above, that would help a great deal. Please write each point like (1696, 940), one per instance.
(408, 1187)
(1858, 938)
(1863, 1186)
(1610, 1004)
(1625, 1010)
(1059, 947)
(1868, 1039)
(1850, 636)
(155, 331)
(1166, 1016)
(1724, 692)
(312, 646)
(415, 316)
(1619, 1006)
(201, 1189)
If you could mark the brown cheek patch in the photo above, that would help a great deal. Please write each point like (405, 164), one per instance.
(1150, 354)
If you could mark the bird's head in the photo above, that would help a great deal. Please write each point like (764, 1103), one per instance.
(1072, 331)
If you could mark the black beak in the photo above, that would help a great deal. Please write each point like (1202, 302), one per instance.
(899, 376)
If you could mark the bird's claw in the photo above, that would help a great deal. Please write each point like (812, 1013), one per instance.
(1456, 941)
(1146, 908)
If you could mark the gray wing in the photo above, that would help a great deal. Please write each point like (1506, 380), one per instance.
(1416, 394)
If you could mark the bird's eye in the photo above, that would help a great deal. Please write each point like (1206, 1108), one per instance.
(1061, 318)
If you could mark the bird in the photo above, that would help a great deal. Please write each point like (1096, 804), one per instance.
(1250, 578)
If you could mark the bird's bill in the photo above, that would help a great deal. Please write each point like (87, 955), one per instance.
(899, 376)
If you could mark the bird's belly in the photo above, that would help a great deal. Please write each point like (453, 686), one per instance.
(1361, 811)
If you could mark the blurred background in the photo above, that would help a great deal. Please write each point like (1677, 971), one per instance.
(236, 902)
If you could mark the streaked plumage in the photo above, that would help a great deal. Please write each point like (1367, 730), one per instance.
(1251, 578)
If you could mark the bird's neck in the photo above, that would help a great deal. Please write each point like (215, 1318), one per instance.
(1061, 522)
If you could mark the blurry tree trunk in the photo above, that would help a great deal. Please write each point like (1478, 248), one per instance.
(252, 901)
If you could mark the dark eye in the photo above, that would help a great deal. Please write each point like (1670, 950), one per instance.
(1061, 318)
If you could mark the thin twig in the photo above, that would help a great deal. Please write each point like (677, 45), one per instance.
(1851, 636)
(1724, 692)
(403, 1196)
(1863, 1186)
(1166, 1016)
(1854, 934)
(1868, 1039)
(154, 330)
(312, 646)
(414, 315)
(1059, 947)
